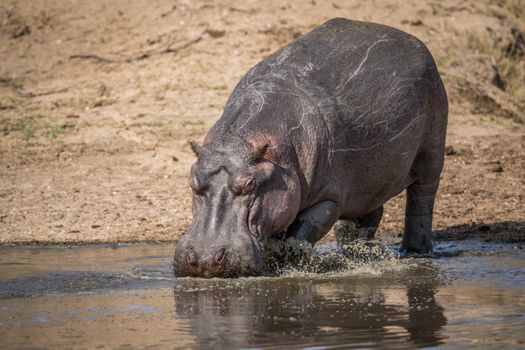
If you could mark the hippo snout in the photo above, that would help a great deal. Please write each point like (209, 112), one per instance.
(215, 262)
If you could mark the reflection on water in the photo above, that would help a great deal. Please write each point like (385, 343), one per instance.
(361, 311)
(126, 297)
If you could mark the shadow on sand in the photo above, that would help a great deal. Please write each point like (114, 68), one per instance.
(504, 231)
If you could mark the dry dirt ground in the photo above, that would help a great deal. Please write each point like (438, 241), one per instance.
(98, 99)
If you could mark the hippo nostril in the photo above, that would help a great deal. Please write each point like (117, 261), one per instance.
(191, 257)
(219, 256)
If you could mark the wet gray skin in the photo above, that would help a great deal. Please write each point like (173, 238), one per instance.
(328, 128)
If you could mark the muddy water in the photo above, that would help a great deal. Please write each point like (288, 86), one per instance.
(124, 296)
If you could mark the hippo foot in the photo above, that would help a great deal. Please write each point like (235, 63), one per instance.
(418, 235)
(364, 228)
(347, 231)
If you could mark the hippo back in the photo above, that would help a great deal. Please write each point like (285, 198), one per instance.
(368, 94)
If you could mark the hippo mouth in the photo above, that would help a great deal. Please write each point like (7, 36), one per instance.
(253, 229)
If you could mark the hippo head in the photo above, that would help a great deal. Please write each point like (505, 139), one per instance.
(241, 197)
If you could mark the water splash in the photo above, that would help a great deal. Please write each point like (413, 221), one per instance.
(292, 256)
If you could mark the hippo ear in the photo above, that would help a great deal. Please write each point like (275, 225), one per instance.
(259, 152)
(195, 147)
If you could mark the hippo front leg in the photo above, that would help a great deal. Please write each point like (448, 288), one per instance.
(315, 222)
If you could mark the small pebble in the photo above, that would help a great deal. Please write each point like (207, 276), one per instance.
(497, 168)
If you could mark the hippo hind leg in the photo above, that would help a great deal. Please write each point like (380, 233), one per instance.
(363, 227)
(418, 218)
(368, 224)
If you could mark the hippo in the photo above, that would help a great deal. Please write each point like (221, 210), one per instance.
(328, 128)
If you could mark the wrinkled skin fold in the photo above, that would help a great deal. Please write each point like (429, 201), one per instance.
(328, 128)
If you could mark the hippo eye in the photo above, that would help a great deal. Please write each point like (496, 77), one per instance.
(244, 184)
(249, 185)
(196, 187)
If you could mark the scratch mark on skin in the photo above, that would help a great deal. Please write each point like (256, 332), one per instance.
(308, 68)
(380, 122)
(294, 79)
(415, 120)
(412, 122)
(312, 108)
(259, 109)
(357, 120)
(281, 57)
(358, 69)
(298, 125)
(355, 149)
(331, 52)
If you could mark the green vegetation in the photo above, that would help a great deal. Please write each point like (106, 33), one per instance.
(74, 103)
(54, 132)
(30, 126)
(10, 83)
